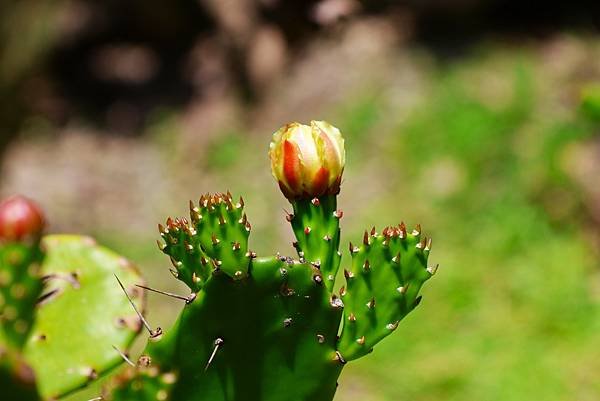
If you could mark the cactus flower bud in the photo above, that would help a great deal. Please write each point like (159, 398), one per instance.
(308, 161)
(20, 218)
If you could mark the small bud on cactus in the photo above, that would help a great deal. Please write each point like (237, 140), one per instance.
(308, 161)
(20, 218)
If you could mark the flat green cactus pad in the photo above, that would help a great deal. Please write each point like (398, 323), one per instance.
(82, 314)
(382, 286)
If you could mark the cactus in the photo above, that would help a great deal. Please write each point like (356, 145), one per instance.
(266, 328)
(82, 315)
(61, 314)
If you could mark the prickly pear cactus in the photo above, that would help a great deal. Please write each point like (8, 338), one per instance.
(60, 313)
(81, 315)
(21, 226)
(268, 327)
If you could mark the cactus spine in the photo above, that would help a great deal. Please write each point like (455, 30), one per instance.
(266, 328)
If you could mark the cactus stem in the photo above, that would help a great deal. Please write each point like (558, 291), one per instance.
(124, 356)
(154, 334)
(315, 201)
(218, 342)
(189, 299)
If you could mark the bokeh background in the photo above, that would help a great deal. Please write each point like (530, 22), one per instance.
(479, 119)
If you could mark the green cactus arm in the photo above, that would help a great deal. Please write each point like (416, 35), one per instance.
(82, 314)
(382, 286)
(317, 230)
(216, 239)
(20, 287)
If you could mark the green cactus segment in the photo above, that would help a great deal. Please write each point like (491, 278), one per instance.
(17, 380)
(20, 287)
(215, 239)
(82, 314)
(316, 225)
(382, 287)
(249, 339)
(142, 383)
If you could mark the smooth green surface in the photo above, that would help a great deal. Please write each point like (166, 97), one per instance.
(76, 328)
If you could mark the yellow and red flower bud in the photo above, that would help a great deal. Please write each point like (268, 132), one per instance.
(308, 161)
(20, 218)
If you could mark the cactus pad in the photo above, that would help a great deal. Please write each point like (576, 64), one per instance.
(82, 314)
(382, 286)
(276, 326)
(216, 239)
